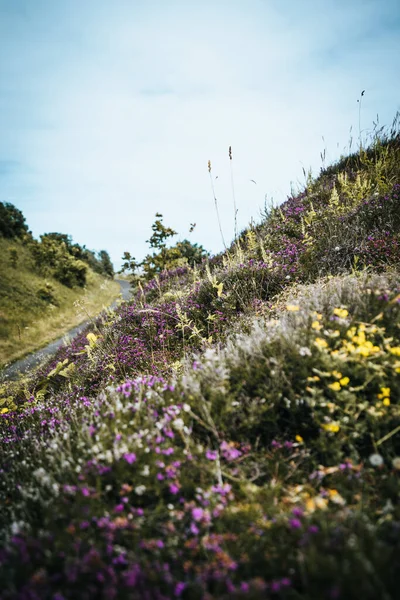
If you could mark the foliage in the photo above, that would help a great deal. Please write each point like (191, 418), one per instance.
(166, 259)
(12, 221)
(51, 255)
(106, 264)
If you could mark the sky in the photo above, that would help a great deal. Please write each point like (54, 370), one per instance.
(111, 109)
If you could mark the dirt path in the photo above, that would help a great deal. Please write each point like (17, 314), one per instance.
(33, 360)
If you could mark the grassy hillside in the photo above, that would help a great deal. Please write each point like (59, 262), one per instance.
(35, 309)
(234, 431)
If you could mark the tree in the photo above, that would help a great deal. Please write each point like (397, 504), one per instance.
(106, 264)
(182, 253)
(12, 221)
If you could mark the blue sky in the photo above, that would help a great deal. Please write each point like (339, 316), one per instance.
(110, 109)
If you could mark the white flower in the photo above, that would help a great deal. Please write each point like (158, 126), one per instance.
(146, 471)
(42, 476)
(140, 490)
(178, 424)
(16, 527)
(304, 351)
(186, 407)
(376, 460)
(396, 463)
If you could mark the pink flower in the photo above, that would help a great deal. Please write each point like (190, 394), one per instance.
(295, 523)
(130, 457)
(197, 513)
(180, 586)
(194, 529)
(211, 454)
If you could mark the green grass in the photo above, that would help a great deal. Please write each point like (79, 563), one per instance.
(35, 310)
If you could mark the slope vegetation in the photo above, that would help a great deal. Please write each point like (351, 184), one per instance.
(45, 291)
(233, 432)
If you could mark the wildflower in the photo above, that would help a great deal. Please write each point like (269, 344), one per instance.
(299, 439)
(332, 427)
(140, 490)
(335, 386)
(229, 451)
(295, 523)
(376, 460)
(304, 351)
(342, 313)
(320, 343)
(344, 381)
(211, 454)
(179, 588)
(386, 402)
(385, 393)
(130, 457)
(197, 513)
(194, 529)
(297, 511)
(292, 307)
(316, 325)
(396, 463)
(178, 424)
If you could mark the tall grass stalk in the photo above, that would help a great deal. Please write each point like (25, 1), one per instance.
(235, 210)
(359, 117)
(216, 204)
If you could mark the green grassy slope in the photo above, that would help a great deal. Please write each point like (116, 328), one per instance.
(35, 309)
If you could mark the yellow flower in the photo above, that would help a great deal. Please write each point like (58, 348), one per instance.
(395, 350)
(335, 386)
(299, 439)
(320, 343)
(344, 381)
(386, 402)
(316, 325)
(332, 427)
(312, 504)
(3, 411)
(341, 312)
(385, 393)
(292, 307)
(336, 374)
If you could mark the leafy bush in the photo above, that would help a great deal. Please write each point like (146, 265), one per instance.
(12, 221)
(51, 256)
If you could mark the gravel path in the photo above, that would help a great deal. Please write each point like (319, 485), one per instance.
(33, 360)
